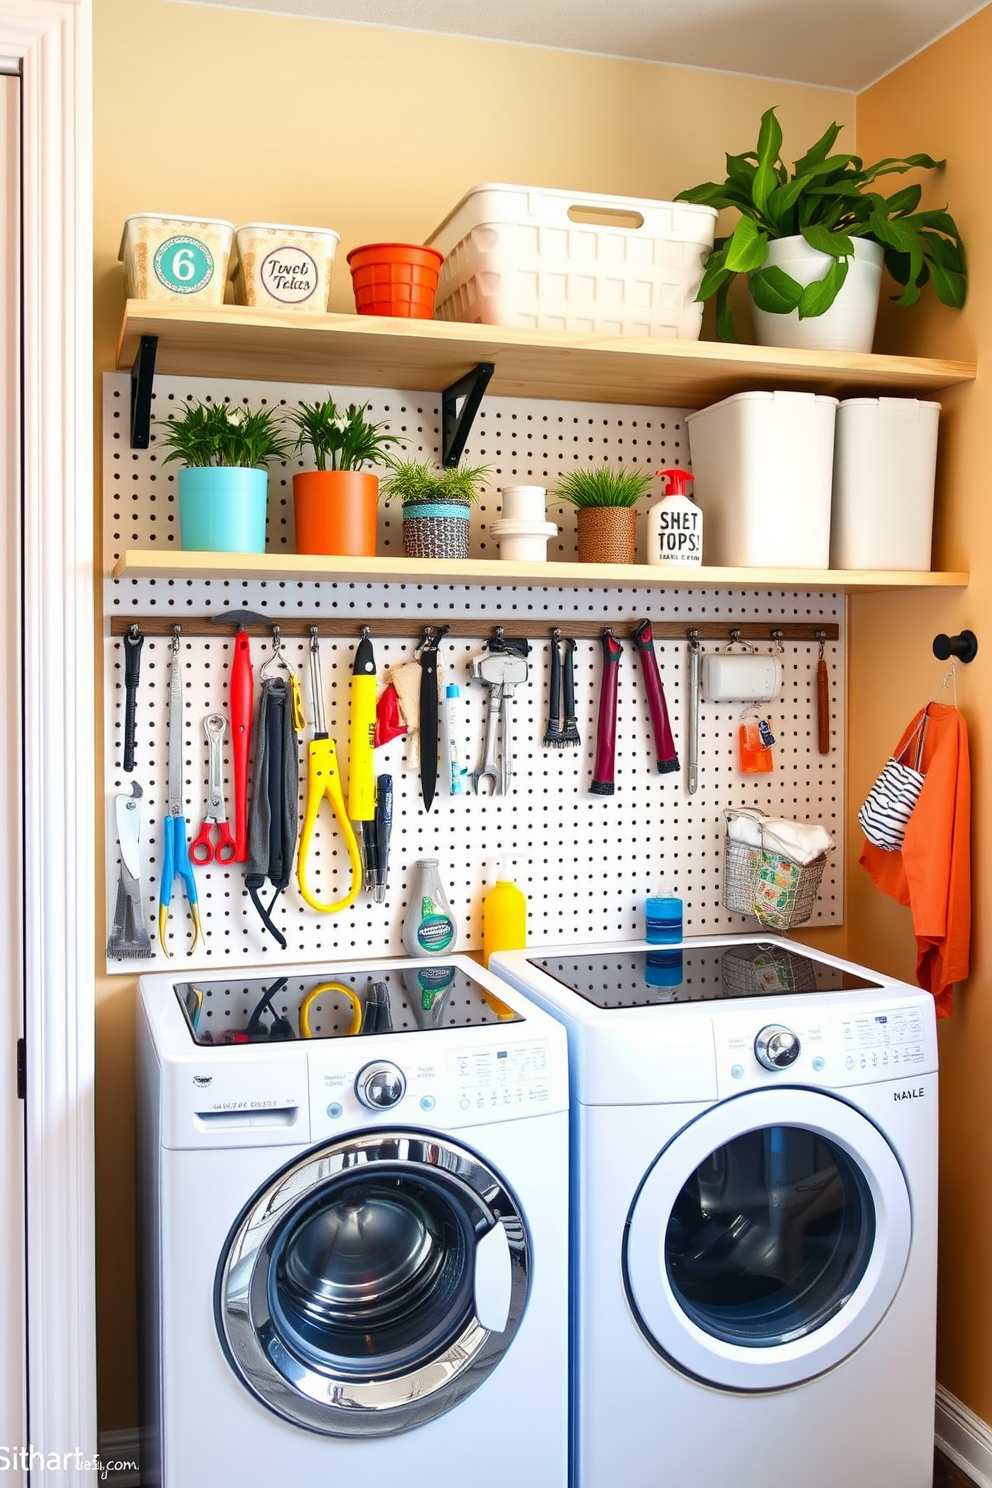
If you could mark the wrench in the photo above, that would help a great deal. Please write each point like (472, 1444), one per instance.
(501, 671)
(490, 762)
(515, 671)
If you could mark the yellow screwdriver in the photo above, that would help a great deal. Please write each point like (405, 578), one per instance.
(324, 782)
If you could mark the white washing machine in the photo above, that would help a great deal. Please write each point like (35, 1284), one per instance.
(355, 1229)
(754, 1186)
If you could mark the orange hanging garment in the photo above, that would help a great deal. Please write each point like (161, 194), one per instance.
(931, 875)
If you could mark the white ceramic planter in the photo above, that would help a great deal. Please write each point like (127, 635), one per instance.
(849, 324)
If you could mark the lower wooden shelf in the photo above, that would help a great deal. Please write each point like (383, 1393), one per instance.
(176, 563)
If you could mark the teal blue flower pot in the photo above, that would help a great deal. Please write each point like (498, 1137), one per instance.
(222, 509)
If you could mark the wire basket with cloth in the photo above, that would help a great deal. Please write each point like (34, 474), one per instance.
(772, 867)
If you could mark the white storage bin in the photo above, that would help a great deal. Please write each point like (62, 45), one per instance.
(568, 261)
(885, 462)
(289, 267)
(168, 257)
(762, 465)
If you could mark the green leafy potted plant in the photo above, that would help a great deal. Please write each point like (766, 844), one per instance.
(437, 503)
(806, 238)
(223, 485)
(336, 503)
(605, 498)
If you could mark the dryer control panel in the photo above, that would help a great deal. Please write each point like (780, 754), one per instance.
(837, 1047)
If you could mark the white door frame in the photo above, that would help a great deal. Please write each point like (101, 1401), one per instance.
(52, 40)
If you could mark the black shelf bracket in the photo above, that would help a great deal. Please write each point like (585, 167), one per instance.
(456, 423)
(142, 374)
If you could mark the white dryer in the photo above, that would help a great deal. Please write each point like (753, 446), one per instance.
(754, 1185)
(354, 1190)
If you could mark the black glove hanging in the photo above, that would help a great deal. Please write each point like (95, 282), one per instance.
(272, 819)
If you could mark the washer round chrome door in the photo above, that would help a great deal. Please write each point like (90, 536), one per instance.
(768, 1240)
(373, 1284)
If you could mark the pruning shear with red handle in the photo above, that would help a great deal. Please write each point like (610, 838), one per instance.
(202, 850)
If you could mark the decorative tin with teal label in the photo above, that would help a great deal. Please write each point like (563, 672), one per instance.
(183, 264)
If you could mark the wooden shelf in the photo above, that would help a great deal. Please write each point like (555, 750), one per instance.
(175, 563)
(425, 355)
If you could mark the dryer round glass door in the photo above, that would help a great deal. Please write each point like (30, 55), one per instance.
(373, 1284)
(768, 1240)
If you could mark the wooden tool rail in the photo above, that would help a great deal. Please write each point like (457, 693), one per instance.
(352, 626)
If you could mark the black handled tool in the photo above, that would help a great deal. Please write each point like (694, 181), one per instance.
(133, 643)
(552, 734)
(570, 729)
(429, 712)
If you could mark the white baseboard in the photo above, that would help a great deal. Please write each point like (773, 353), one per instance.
(120, 1451)
(964, 1438)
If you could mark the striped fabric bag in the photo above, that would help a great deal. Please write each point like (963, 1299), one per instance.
(889, 804)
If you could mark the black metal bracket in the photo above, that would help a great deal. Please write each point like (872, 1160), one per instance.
(456, 423)
(142, 374)
(963, 647)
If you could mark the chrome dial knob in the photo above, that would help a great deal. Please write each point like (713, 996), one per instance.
(380, 1085)
(776, 1047)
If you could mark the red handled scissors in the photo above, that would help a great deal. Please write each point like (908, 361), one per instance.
(202, 850)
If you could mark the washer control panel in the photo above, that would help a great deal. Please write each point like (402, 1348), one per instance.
(450, 1086)
(840, 1046)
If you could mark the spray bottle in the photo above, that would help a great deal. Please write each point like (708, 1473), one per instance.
(675, 524)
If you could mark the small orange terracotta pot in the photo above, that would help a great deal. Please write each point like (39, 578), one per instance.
(607, 534)
(395, 279)
(336, 512)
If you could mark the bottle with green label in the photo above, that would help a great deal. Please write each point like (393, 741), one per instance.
(429, 928)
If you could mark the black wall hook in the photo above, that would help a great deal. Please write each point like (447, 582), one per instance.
(963, 647)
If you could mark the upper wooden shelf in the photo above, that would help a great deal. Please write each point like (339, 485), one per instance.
(170, 562)
(426, 355)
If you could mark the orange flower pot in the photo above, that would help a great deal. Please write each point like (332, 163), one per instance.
(395, 279)
(336, 512)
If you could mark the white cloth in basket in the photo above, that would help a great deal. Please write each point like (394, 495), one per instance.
(746, 828)
(800, 841)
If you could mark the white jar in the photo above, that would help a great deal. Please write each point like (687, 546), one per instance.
(523, 503)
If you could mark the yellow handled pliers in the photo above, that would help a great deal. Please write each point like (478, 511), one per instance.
(324, 783)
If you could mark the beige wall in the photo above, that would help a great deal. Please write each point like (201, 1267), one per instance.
(377, 134)
(941, 102)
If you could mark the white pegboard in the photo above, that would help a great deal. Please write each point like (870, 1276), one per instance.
(586, 862)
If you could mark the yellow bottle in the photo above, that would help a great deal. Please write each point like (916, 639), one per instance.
(504, 915)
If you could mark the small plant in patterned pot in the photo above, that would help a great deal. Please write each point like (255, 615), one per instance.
(437, 505)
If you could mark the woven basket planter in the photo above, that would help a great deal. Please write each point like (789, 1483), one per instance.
(435, 529)
(607, 534)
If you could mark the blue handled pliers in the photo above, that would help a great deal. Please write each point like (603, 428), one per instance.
(175, 852)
